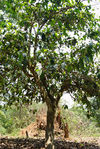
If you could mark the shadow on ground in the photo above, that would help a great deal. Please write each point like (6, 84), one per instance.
(6, 143)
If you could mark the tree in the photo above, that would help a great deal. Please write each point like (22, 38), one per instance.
(94, 111)
(48, 47)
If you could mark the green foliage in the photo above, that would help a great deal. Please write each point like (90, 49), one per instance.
(15, 118)
(94, 111)
(79, 124)
(5, 122)
(46, 48)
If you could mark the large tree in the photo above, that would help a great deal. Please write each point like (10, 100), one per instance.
(47, 48)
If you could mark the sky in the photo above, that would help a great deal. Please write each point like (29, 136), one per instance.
(66, 98)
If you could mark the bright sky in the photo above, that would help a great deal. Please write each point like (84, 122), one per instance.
(66, 98)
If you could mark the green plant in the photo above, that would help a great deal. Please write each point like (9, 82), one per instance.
(47, 48)
(78, 122)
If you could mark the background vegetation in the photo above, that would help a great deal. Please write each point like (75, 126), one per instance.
(15, 118)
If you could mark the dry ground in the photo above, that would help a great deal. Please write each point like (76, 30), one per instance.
(21, 143)
(35, 139)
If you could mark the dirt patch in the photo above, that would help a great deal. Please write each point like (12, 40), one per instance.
(37, 129)
(6, 143)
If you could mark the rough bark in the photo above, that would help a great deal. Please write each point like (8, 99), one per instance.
(66, 131)
(49, 136)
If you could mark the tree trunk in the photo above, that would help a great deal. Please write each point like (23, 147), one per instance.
(49, 136)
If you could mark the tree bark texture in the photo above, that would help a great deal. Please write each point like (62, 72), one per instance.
(49, 136)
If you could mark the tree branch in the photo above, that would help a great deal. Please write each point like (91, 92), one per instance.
(26, 73)
(35, 45)
(80, 82)
(29, 43)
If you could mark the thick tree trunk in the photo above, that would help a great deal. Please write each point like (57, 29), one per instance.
(49, 136)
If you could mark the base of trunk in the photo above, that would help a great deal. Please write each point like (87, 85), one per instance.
(49, 136)
(49, 144)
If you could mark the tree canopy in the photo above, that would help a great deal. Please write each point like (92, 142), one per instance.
(55, 40)
(47, 48)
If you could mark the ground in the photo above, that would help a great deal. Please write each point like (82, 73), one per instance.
(32, 137)
(22, 143)
(35, 140)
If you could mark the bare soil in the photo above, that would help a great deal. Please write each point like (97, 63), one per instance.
(21, 143)
(34, 138)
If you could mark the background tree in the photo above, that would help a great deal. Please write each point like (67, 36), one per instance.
(93, 111)
(47, 47)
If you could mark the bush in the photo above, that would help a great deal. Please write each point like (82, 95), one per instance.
(78, 122)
